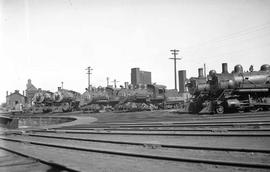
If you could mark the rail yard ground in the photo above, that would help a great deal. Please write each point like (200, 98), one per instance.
(140, 141)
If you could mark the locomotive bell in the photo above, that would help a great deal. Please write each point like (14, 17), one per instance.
(238, 69)
(265, 67)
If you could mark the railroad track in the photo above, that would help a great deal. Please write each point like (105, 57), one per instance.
(169, 129)
(194, 117)
(215, 144)
(11, 160)
(76, 138)
(228, 157)
(163, 133)
(235, 124)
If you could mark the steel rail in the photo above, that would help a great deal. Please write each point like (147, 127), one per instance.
(157, 134)
(175, 125)
(188, 122)
(221, 117)
(169, 129)
(145, 155)
(145, 143)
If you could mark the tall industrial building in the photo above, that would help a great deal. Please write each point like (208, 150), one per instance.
(182, 80)
(140, 77)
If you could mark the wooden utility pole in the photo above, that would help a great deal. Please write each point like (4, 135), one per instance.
(174, 53)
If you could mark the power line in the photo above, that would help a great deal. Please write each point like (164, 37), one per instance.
(234, 35)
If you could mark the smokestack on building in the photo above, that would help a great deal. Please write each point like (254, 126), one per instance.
(200, 72)
(126, 85)
(182, 80)
(224, 68)
(204, 69)
(7, 93)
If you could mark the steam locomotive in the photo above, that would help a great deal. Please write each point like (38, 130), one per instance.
(43, 101)
(94, 100)
(61, 101)
(138, 98)
(227, 92)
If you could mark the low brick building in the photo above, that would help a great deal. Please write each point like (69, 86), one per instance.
(14, 99)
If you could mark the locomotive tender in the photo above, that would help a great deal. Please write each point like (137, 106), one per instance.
(226, 92)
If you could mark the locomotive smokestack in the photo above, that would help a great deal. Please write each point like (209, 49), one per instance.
(224, 68)
(200, 72)
(182, 79)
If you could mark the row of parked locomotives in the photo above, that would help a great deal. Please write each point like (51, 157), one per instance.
(230, 92)
(138, 98)
(61, 101)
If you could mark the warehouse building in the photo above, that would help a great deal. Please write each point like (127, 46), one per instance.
(15, 99)
(140, 77)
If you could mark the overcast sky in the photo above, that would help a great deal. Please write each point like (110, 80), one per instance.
(50, 41)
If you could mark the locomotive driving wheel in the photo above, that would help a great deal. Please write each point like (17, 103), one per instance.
(220, 109)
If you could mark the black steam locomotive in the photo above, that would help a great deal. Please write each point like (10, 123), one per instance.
(137, 98)
(227, 92)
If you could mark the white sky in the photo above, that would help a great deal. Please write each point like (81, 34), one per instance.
(51, 41)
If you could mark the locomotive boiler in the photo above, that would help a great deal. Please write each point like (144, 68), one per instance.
(236, 91)
(148, 97)
(133, 99)
(94, 100)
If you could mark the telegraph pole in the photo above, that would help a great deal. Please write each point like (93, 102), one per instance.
(89, 73)
(174, 53)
